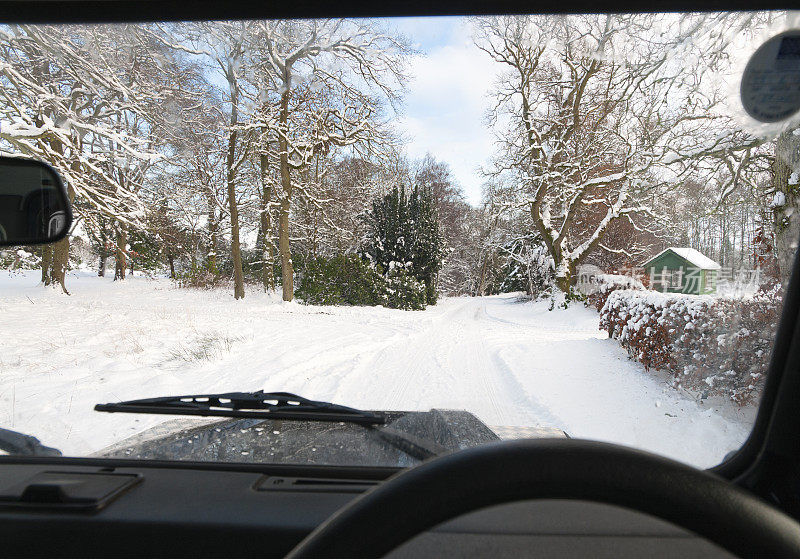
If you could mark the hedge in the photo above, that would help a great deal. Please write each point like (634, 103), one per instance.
(719, 346)
(607, 284)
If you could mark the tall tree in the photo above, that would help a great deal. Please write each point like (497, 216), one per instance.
(221, 45)
(64, 104)
(403, 236)
(323, 78)
(453, 214)
(786, 200)
(593, 136)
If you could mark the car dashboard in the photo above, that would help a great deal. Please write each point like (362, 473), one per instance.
(205, 512)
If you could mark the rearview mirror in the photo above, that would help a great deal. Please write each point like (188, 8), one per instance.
(34, 207)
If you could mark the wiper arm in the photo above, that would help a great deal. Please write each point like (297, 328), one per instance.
(411, 445)
(276, 405)
(258, 405)
(21, 444)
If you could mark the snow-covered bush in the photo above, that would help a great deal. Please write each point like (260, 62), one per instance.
(252, 265)
(710, 345)
(349, 280)
(19, 259)
(525, 266)
(200, 276)
(604, 284)
(405, 292)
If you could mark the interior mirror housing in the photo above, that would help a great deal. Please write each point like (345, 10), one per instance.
(34, 206)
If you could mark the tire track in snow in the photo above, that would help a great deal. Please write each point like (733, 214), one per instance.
(405, 362)
(481, 366)
(538, 415)
(517, 407)
(446, 363)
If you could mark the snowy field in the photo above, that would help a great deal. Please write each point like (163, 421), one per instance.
(510, 363)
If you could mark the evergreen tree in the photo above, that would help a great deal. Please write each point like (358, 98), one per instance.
(387, 243)
(427, 250)
(404, 237)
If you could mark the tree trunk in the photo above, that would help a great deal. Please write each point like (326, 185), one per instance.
(563, 283)
(60, 258)
(236, 248)
(47, 261)
(482, 285)
(171, 260)
(101, 266)
(121, 255)
(564, 277)
(287, 270)
(787, 219)
(213, 228)
(267, 247)
(60, 263)
(268, 257)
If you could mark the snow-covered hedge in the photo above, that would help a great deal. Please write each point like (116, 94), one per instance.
(605, 284)
(712, 345)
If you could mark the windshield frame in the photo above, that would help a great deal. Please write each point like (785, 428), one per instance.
(776, 418)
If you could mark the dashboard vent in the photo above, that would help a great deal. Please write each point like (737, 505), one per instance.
(311, 484)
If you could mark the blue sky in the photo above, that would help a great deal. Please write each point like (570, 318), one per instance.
(447, 98)
(445, 104)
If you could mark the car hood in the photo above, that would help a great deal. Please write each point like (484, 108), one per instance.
(308, 442)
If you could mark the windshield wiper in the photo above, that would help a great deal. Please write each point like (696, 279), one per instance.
(258, 405)
(21, 444)
(277, 405)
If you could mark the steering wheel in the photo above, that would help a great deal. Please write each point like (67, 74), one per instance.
(443, 488)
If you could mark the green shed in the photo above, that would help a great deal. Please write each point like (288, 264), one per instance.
(682, 270)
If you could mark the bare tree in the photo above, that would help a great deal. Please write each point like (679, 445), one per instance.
(594, 137)
(221, 47)
(785, 173)
(454, 216)
(326, 80)
(65, 101)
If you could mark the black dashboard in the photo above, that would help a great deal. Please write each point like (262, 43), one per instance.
(195, 513)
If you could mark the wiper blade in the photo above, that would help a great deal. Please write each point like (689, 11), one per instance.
(19, 443)
(258, 405)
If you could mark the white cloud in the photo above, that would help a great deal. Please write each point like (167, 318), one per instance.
(445, 108)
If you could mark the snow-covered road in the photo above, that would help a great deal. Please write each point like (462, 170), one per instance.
(510, 363)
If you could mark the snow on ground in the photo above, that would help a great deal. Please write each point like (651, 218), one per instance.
(510, 363)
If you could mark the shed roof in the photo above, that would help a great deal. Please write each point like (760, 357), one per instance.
(694, 257)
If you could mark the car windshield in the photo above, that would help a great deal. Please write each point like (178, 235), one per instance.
(464, 229)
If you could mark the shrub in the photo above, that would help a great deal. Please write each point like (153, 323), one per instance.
(198, 275)
(252, 266)
(342, 280)
(730, 350)
(405, 292)
(349, 280)
(712, 345)
(20, 259)
(606, 284)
